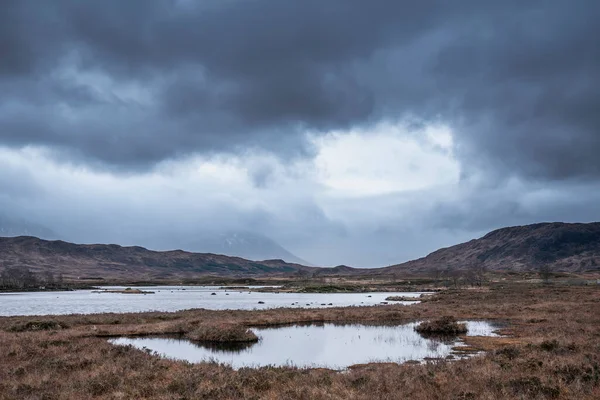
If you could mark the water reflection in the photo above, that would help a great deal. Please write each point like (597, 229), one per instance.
(327, 345)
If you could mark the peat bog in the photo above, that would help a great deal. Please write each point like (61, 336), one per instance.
(550, 348)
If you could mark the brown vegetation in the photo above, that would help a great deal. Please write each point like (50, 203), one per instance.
(125, 291)
(403, 298)
(223, 332)
(552, 351)
(37, 325)
(446, 325)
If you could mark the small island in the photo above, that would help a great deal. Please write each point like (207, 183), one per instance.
(403, 298)
(124, 291)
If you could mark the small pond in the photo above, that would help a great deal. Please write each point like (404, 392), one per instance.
(327, 345)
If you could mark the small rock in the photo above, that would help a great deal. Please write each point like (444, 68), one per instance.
(261, 302)
(213, 294)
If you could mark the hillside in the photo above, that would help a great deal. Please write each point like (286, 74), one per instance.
(560, 246)
(117, 262)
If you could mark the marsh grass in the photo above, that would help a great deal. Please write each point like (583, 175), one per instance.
(37, 325)
(445, 326)
(552, 351)
(403, 298)
(223, 332)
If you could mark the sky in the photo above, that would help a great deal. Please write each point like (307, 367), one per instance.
(351, 132)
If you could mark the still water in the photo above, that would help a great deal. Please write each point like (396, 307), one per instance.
(328, 345)
(175, 298)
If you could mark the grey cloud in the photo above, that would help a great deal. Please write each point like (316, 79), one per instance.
(528, 89)
(226, 74)
(517, 81)
(16, 185)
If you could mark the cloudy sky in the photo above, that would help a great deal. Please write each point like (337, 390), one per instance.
(357, 132)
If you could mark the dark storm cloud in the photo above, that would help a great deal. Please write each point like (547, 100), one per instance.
(516, 80)
(529, 89)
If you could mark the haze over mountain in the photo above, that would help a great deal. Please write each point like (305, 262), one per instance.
(10, 227)
(352, 132)
(248, 245)
(242, 244)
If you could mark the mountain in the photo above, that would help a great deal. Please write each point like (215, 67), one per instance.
(18, 227)
(251, 246)
(117, 262)
(559, 246)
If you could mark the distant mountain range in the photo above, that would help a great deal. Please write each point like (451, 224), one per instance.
(559, 246)
(248, 245)
(117, 262)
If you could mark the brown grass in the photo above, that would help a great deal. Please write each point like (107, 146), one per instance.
(222, 333)
(403, 298)
(446, 325)
(37, 325)
(553, 352)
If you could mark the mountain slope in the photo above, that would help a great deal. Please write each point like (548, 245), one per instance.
(116, 262)
(248, 245)
(560, 246)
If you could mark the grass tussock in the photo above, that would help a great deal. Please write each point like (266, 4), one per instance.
(222, 333)
(446, 325)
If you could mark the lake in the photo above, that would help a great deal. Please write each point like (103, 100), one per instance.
(326, 345)
(175, 298)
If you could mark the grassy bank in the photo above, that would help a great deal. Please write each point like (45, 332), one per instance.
(553, 351)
